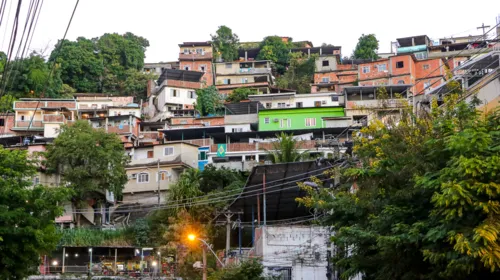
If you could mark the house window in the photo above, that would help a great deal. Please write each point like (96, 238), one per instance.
(174, 93)
(335, 98)
(244, 80)
(427, 85)
(187, 68)
(281, 105)
(199, 51)
(266, 120)
(381, 67)
(426, 66)
(202, 155)
(150, 154)
(400, 64)
(366, 69)
(192, 94)
(202, 68)
(317, 103)
(229, 65)
(2, 122)
(421, 55)
(186, 51)
(287, 123)
(326, 63)
(310, 121)
(168, 151)
(237, 129)
(401, 82)
(227, 81)
(143, 178)
(299, 105)
(269, 105)
(325, 80)
(22, 118)
(36, 181)
(163, 175)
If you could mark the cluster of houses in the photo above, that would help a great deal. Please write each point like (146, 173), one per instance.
(165, 134)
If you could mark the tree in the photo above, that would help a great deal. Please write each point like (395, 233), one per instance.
(285, 149)
(225, 43)
(209, 101)
(273, 48)
(90, 162)
(240, 94)
(6, 103)
(220, 179)
(367, 47)
(300, 73)
(27, 216)
(111, 63)
(421, 202)
(248, 270)
(327, 45)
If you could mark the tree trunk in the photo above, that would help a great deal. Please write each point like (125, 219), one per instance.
(78, 218)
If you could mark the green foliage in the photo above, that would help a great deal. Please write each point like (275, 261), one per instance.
(141, 232)
(225, 43)
(27, 215)
(89, 160)
(273, 48)
(367, 47)
(249, 270)
(425, 203)
(300, 73)
(28, 77)
(209, 101)
(96, 237)
(111, 63)
(240, 94)
(285, 149)
(6, 103)
(213, 179)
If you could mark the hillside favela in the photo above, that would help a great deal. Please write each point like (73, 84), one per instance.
(261, 140)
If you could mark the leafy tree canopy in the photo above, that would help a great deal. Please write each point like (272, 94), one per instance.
(209, 101)
(300, 73)
(111, 63)
(27, 216)
(240, 94)
(367, 47)
(422, 201)
(285, 149)
(89, 160)
(249, 270)
(273, 48)
(225, 43)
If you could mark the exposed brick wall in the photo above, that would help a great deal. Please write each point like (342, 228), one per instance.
(434, 82)
(214, 121)
(122, 100)
(373, 70)
(184, 84)
(70, 105)
(28, 104)
(208, 77)
(347, 67)
(406, 78)
(177, 121)
(406, 59)
(428, 68)
(8, 123)
(318, 77)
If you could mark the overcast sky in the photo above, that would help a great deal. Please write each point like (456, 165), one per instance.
(167, 23)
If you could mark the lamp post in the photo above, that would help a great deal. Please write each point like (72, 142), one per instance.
(159, 263)
(90, 263)
(192, 237)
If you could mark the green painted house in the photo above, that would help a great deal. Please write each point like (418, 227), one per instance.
(296, 118)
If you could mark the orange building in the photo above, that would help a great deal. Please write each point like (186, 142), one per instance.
(197, 56)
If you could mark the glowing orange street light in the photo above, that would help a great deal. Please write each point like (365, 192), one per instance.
(192, 237)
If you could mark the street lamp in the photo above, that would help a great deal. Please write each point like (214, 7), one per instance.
(90, 264)
(192, 237)
(55, 263)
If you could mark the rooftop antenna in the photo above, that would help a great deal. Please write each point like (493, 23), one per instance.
(483, 27)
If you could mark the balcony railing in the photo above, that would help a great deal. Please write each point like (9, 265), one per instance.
(255, 70)
(197, 142)
(27, 123)
(54, 119)
(119, 129)
(376, 104)
(243, 147)
(206, 55)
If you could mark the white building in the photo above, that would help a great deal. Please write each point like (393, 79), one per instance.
(294, 100)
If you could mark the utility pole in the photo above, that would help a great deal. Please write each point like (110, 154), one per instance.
(228, 214)
(204, 262)
(483, 27)
(159, 178)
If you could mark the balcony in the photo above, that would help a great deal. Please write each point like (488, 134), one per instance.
(245, 147)
(255, 70)
(195, 56)
(119, 129)
(376, 104)
(26, 124)
(197, 142)
(54, 119)
(149, 136)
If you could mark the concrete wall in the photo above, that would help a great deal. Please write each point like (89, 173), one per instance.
(308, 100)
(244, 127)
(285, 247)
(87, 104)
(275, 120)
(332, 63)
(182, 97)
(51, 130)
(125, 111)
(241, 119)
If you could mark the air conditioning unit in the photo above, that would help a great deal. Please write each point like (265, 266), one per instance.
(133, 176)
(275, 120)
